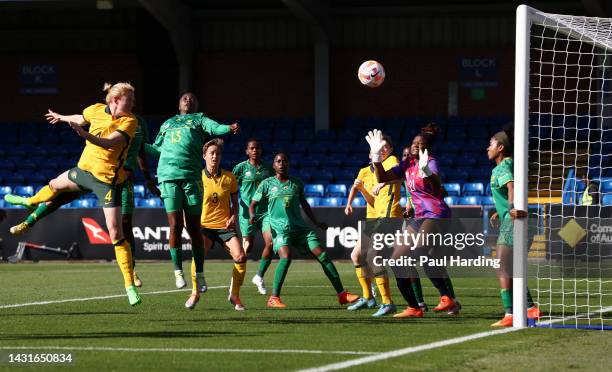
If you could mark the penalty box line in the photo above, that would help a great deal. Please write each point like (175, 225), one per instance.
(433, 345)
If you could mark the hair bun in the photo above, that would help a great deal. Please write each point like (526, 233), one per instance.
(107, 87)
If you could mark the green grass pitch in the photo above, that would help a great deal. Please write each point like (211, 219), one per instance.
(161, 334)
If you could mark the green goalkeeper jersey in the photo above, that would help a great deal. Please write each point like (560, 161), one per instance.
(141, 135)
(249, 177)
(180, 141)
(501, 175)
(284, 209)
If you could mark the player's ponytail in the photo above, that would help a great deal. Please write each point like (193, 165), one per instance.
(506, 138)
(429, 132)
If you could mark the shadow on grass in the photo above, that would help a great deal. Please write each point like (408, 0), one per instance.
(103, 335)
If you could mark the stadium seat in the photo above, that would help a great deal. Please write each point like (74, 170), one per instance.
(314, 190)
(309, 162)
(606, 185)
(152, 203)
(469, 200)
(5, 190)
(139, 191)
(607, 199)
(358, 202)
(487, 200)
(313, 201)
(473, 189)
(335, 190)
(86, 203)
(451, 200)
(24, 190)
(453, 189)
(332, 202)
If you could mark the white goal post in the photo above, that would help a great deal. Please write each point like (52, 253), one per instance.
(563, 96)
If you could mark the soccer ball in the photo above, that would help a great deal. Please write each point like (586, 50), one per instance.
(371, 74)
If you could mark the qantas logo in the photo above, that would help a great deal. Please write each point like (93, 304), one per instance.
(95, 233)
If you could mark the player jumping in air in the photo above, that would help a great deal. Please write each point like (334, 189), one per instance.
(218, 222)
(249, 175)
(383, 203)
(502, 187)
(421, 174)
(99, 170)
(285, 195)
(179, 144)
(136, 156)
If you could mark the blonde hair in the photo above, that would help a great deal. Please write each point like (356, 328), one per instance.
(213, 142)
(116, 90)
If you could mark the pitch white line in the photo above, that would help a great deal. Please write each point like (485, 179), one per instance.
(189, 350)
(405, 351)
(432, 345)
(95, 298)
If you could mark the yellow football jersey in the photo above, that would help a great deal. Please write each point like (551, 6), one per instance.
(387, 203)
(217, 191)
(106, 164)
(369, 181)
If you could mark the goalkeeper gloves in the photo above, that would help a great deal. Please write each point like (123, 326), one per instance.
(376, 143)
(424, 170)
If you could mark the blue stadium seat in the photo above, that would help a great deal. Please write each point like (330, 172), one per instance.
(487, 200)
(606, 185)
(283, 134)
(314, 190)
(453, 189)
(457, 175)
(326, 136)
(358, 202)
(313, 201)
(470, 200)
(5, 190)
(473, 189)
(37, 178)
(305, 175)
(488, 189)
(304, 135)
(318, 148)
(24, 190)
(152, 203)
(332, 202)
(7, 165)
(86, 203)
(139, 191)
(138, 201)
(451, 200)
(335, 190)
(607, 199)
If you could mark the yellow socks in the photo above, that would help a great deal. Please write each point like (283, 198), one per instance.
(382, 283)
(123, 253)
(238, 275)
(364, 282)
(43, 195)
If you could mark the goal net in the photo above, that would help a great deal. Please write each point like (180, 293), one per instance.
(564, 119)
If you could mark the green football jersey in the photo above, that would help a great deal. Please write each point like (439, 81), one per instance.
(141, 135)
(501, 175)
(284, 207)
(249, 177)
(180, 141)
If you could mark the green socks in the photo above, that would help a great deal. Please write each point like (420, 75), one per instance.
(279, 275)
(417, 288)
(264, 263)
(331, 272)
(177, 258)
(506, 296)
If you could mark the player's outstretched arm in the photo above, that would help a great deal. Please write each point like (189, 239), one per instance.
(54, 118)
(111, 141)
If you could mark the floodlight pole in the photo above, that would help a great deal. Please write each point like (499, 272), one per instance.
(521, 150)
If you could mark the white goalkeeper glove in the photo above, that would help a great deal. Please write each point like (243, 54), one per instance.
(424, 170)
(376, 143)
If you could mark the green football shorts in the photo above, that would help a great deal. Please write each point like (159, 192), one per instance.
(304, 240)
(179, 195)
(109, 196)
(506, 232)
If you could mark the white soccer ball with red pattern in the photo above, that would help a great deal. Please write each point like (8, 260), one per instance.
(371, 74)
